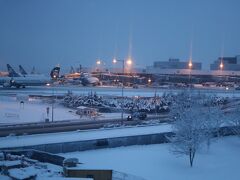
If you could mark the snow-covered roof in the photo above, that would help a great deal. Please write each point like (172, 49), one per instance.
(84, 108)
(81, 107)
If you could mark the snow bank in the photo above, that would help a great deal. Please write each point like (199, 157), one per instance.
(23, 173)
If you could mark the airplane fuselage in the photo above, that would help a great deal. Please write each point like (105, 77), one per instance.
(24, 81)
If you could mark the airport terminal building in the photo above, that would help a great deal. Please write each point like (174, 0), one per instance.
(172, 65)
(229, 64)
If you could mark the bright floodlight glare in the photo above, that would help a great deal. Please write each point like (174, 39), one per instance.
(129, 61)
(190, 64)
(114, 61)
(98, 62)
(149, 80)
(221, 65)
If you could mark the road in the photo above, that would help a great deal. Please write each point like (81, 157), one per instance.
(112, 91)
(72, 125)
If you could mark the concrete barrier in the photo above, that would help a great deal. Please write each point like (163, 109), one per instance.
(99, 143)
(158, 138)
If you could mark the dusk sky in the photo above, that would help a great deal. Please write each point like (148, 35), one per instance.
(43, 33)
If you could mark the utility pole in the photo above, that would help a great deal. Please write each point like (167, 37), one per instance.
(52, 104)
(129, 62)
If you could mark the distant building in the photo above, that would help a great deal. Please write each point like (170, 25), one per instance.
(172, 66)
(176, 64)
(229, 64)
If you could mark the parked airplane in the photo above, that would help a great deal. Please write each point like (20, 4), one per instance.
(85, 79)
(55, 73)
(16, 80)
(119, 79)
(25, 74)
(22, 71)
(12, 72)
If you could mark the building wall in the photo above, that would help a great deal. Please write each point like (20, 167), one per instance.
(94, 174)
(229, 64)
(176, 64)
(227, 67)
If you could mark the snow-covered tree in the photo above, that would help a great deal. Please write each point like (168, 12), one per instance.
(234, 120)
(213, 120)
(195, 122)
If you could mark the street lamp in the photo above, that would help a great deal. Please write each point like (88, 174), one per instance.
(101, 65)
(114, 61)
(129, 62)
(53, 101)
(190, 68)
(221, 65)
(190, 64)
(149, 81)
(221, 68)
(123, 61)
(98, 62)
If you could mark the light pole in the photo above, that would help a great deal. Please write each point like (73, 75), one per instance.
(129, 62)
(98, 62)
(123, 61)
(149, 81)
(52, 104)
(101, 64)
(190, 68)
(52, 101)
(221, 68)
(221, 65)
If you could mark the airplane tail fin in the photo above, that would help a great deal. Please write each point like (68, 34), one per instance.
(72, 70)
(55, 72)
(12, 72)
(22, 71)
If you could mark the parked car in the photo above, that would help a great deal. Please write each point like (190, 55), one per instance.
(129, 118)
(137, 115)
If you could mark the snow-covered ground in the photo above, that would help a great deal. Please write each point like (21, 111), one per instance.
(42, 170)
(12, 112)
(38, 139)
(154, 162)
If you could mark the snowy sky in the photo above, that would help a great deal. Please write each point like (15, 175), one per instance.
(44, 33)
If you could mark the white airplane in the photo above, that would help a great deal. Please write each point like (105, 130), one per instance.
(16, 80)
(85, 79)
